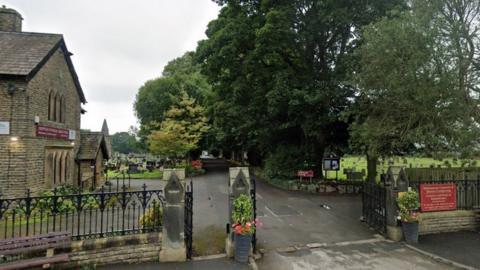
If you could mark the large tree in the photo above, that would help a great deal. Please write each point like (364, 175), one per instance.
(181, 130)
(278, 72)
(418, 82)
(125, 143)
(157, 96)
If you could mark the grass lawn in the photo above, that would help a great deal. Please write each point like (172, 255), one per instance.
(155, 174)
(359, 163)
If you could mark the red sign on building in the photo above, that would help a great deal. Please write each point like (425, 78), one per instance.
(438, 197)
(305, 173)
(52, 132)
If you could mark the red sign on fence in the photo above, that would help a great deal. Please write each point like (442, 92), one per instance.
(438, 197)
(305, 173)
(52, 132)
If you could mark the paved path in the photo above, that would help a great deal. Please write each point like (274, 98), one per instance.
(461, 247)
(368, 255)
(217, 264)
(298, 218)
(292, 218)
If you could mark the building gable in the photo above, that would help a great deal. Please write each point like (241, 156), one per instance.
(24, 54)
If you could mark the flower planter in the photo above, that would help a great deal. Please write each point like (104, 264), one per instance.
(410, 231)
(242, 247)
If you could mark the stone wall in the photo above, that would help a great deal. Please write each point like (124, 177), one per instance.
(449, 221)
(22, 163)
(127, 249)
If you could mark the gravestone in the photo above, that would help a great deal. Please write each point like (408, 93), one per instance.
(173, 243)
(239, 183)
(396, 181)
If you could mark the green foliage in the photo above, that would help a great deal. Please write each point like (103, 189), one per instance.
(412, 79)
(157, 96)
(182, 129)
(278, 72)
(90, 266)
(284, 163)
(408, 204)
(125, 143)
(242, 214)
(153, 216)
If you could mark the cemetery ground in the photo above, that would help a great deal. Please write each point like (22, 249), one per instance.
(311, 231)
(359, 163)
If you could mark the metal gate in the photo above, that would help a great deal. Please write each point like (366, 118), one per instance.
(374, 206)
(188, 228)
(253, 192)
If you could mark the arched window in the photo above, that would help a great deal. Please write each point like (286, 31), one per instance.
(62, 109)
(57, 108)
(51, 106)
(54, 169)
(61, 166)
(49, 171)
(66, 167)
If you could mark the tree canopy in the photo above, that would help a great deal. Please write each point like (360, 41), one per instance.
(278, 72)
(125, 143)
(157, 96)
(181, 130)
(417, 85)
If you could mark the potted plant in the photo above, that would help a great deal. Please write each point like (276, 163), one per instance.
(243, 227)
(408, 205)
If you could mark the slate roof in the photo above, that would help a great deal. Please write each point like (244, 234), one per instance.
(91, 143)
(22, 54)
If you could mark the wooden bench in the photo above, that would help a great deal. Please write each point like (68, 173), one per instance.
(45, 242)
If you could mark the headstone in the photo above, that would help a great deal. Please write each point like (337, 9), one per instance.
(173, 243)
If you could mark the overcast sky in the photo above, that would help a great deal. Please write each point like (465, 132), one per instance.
(118, 45)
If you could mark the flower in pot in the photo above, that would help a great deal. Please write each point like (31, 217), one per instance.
(408, 205)
(243, 226)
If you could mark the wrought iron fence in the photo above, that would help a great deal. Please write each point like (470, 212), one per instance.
(84, 215)
(468, 190)
(374, 206)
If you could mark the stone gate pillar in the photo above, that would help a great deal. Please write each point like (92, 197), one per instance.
(396, 181)
(238, 183)
(173, 240)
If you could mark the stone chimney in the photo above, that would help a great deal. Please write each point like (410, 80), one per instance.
(10, 20)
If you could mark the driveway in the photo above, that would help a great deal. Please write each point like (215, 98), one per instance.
(368, 255)
(292, 220)
(297, 218)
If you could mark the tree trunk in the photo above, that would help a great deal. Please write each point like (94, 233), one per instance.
(371, 168)
(319, 159)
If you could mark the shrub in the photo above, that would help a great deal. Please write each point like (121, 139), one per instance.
(242, 215)
(284, 162)
(153, 216)
(408, 204)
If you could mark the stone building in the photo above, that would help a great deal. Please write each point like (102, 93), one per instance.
(95, 147)
(40, 109)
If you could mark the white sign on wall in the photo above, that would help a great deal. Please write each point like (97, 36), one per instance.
(72, 134)
(4, 128)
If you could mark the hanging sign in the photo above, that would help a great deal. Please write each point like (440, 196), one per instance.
(438, 197)
(52, 132)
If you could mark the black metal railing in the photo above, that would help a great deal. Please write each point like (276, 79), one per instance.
(253, 195)
(188, 229)
(374, 206)
(468, 190)
(120, 179)
(84, 215)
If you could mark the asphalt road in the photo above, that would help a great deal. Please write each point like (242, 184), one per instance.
(297, 218)
(288, 217)
(294, 218)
